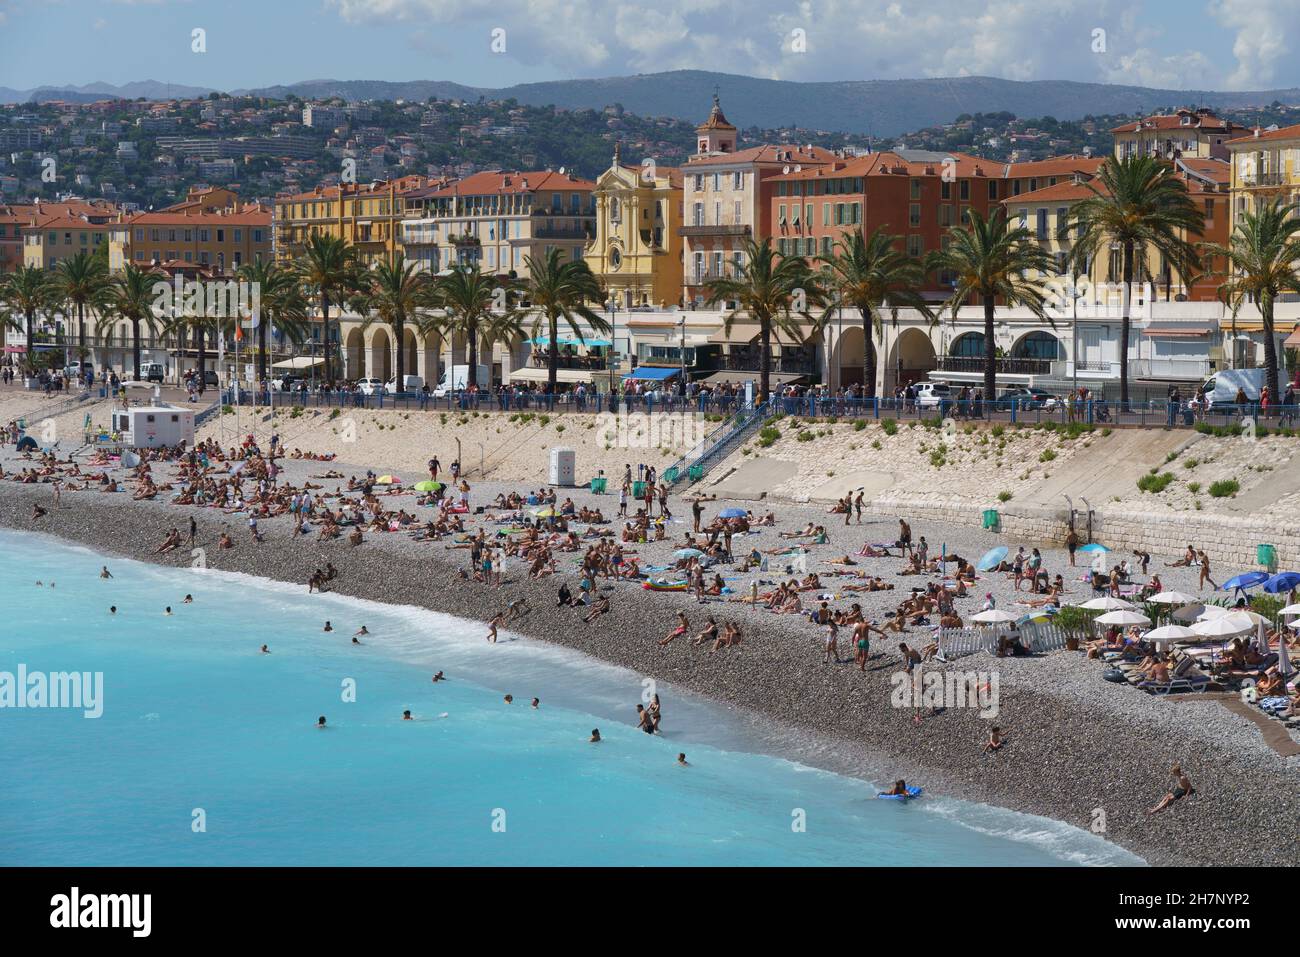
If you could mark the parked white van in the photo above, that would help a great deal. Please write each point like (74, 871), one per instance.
(930, 394)
(410, 383)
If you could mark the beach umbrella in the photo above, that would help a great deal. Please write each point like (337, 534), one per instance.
(1225, 626)
(388, 480)
(1290, 610)
(1171, 633)
(732, 513)
(1244, 580)
(1283, 661)
(1107, 603)
(1173, 598)
(1040, 615)
(428, 486)
(1282, 581)
(688, 553)
(994, 616)
(1209, 612)
(1123, 617)
(992, 559)
(1191, 612)
(1093, 547)
(547, 512)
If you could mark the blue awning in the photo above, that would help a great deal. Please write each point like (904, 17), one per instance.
(658, 373)
(565, 340)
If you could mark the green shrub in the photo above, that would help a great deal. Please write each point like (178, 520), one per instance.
(1004, 496)
(1155, 483)
(937, 459)
(1224, 488)
(1193, 487)
(805, 436)
(767, 436)
(859, 425)
(1047, 455)
(890, 426)
(998, 431)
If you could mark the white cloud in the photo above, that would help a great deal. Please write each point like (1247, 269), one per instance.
(1264, 31)
(861, 39)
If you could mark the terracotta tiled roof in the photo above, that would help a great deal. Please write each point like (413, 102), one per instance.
(797, 155)
(503, 182)
(716, 120)
(1054, 166)
(1258, 135)
(1182, 120)
(245, 217)
(402, 185)
(1070, 192)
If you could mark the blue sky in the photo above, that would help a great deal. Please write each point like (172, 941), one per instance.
(1215, 44)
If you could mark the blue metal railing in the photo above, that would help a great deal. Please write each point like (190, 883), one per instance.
(717, 445)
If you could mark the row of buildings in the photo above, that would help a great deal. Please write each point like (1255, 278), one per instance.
(657, 236)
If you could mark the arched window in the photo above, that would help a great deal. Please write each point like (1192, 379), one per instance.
(1037, 345)
(968, 344)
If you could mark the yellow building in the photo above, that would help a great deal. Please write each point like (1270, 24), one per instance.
(222, 239)
(57, 231)
(1043, 211)
(369, 217)
(637, 251)
(1265, 168)
(1189, 133)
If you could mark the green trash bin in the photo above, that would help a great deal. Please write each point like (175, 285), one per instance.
(1266, 555)
(598, 486)
(670, 474)
(638, 489)
(991, 518)
(695, 473)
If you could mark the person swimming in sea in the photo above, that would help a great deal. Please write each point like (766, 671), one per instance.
(898, 790)
(439, 677)
(328, 627)
(320, 722)
(105, 573)
(167, 610)
(537, 702)
(112, 609)
(266, 650)
(360, 632)
(595, 736)
(681, 760)
(509, 699)
(189, 600)
(406, 715)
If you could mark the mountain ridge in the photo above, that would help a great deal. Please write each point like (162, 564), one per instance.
(876, 107)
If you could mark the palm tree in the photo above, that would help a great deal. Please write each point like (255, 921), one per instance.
(328, 269)
(990, 260)
(131, 297)
(774, 291)
(867, 271)
(1140, 205)
(393, 293)
(561, 291)
(469, 298)
(24, 293)
(82, 281)
(281, 302)
(1263, 256)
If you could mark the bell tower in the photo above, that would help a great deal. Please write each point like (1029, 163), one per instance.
(715, 135)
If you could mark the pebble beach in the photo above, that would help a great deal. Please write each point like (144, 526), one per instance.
(1079, 750)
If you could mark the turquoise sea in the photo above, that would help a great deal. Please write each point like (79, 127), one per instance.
(199, 728)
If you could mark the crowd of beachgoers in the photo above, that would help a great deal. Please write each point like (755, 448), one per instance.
(841, 587)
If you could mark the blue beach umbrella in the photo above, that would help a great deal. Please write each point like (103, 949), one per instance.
(992, 558)
(1245, 580)
(732, 513)
(688, 553)
(1282, 581)
(1093, 547)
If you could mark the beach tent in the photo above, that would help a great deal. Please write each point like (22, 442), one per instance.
(992, 559)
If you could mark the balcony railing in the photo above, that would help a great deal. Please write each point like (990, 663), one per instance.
(1008, 366)
(1171, 368)
(741, 229)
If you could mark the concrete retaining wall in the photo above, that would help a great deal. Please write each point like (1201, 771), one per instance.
(1229, 540)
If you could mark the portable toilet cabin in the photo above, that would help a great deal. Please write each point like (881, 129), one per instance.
(154, 426)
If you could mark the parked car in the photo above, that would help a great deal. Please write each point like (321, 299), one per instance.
(77, 370)
(930, 394)
(151, 371)
(370, 386)
(1029, 399)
